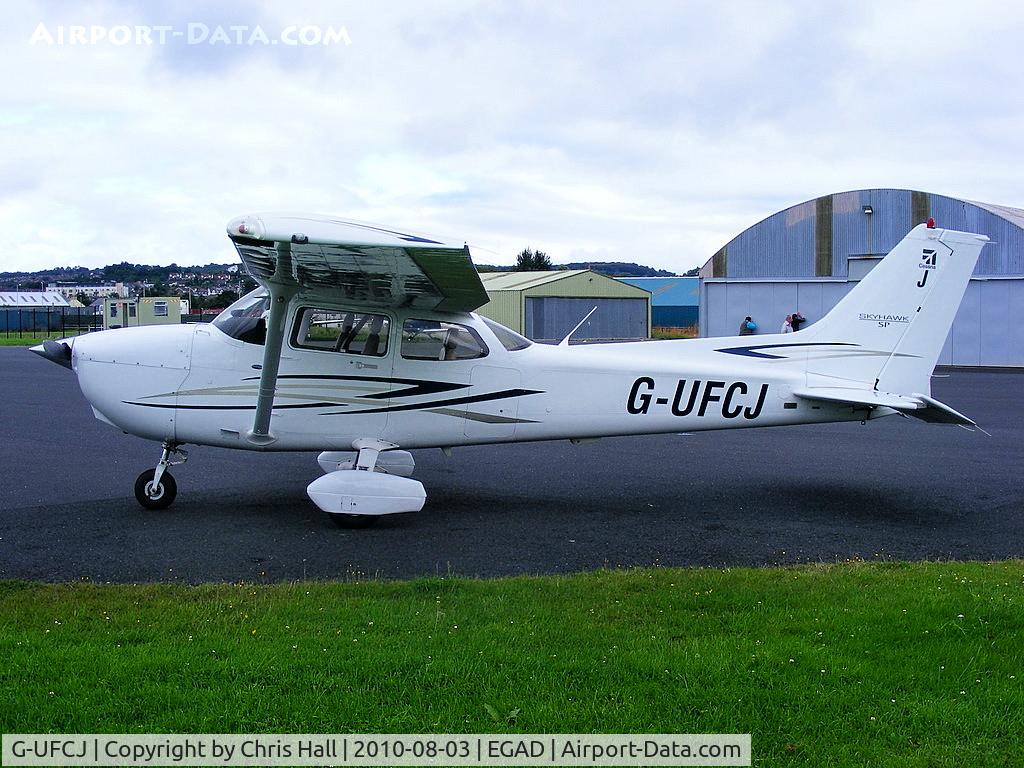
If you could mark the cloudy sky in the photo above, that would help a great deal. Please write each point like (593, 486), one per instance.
(649, 131)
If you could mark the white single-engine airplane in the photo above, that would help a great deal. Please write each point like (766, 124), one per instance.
(361, 342)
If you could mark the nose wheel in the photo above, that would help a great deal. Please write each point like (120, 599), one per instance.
(157, 495)
(156, 489)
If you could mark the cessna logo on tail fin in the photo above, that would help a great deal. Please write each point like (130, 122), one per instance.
(927, 263)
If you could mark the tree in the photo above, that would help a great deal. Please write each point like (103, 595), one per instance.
(223, 299)
(529, 260)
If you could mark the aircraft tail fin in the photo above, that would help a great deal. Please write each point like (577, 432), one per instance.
(887, 333)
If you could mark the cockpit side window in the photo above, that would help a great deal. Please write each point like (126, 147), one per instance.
(438, 340)
(509, 339)
(245, 320)
(331, 330)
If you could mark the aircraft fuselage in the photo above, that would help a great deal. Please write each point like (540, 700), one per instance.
(196, 384)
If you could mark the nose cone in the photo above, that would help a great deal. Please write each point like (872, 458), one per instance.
(58, 352)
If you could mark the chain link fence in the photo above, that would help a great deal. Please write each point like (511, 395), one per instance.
(43, 322)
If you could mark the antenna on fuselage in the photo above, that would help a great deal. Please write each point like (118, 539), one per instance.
(565, 342)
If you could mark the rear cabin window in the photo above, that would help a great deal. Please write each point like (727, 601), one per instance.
(509, 339)
(330, 330)
(436, 340)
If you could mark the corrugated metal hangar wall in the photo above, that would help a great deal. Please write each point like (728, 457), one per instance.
(547, 305)
(809, 256)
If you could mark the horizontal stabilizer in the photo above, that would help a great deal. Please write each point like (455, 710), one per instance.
(940, 413)
(917, 405)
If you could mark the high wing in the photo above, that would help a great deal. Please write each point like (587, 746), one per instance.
(362, 264)
(358, 263)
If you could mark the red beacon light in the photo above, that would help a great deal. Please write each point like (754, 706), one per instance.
(931, 223)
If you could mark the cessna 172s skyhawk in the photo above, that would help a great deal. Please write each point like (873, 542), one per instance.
(361, 342)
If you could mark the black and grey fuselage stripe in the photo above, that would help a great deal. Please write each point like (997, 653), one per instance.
(413, 388)
(849, 350)
(230, 407)
(754, 350)
(503, 394)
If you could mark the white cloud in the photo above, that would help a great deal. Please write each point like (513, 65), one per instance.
(651, 133)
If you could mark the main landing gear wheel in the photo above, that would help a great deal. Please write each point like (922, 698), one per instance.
(354, 521)
(157, 496)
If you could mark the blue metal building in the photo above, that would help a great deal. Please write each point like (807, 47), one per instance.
(675, 301)
(810, 255)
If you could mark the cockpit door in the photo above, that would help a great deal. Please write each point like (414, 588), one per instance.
(493, 404)
(338, 372)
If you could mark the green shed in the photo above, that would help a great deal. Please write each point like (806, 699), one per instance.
(148, 310)
(545, 306)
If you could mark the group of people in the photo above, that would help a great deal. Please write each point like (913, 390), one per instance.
(790, 324)
(793, 322)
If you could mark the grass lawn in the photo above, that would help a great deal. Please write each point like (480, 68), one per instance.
(13, 340)
(690, 332)
(851, 664)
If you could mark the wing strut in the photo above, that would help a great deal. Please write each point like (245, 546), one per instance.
(282, 286)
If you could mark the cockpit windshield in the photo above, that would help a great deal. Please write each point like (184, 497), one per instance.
(244, 320)
(509, 339)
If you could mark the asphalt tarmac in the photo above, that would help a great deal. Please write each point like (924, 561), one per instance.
(892, 489)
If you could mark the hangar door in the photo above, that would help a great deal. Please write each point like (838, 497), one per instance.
(550, 317)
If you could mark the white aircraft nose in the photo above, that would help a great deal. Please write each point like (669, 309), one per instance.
(130, 375)
(155, 346)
